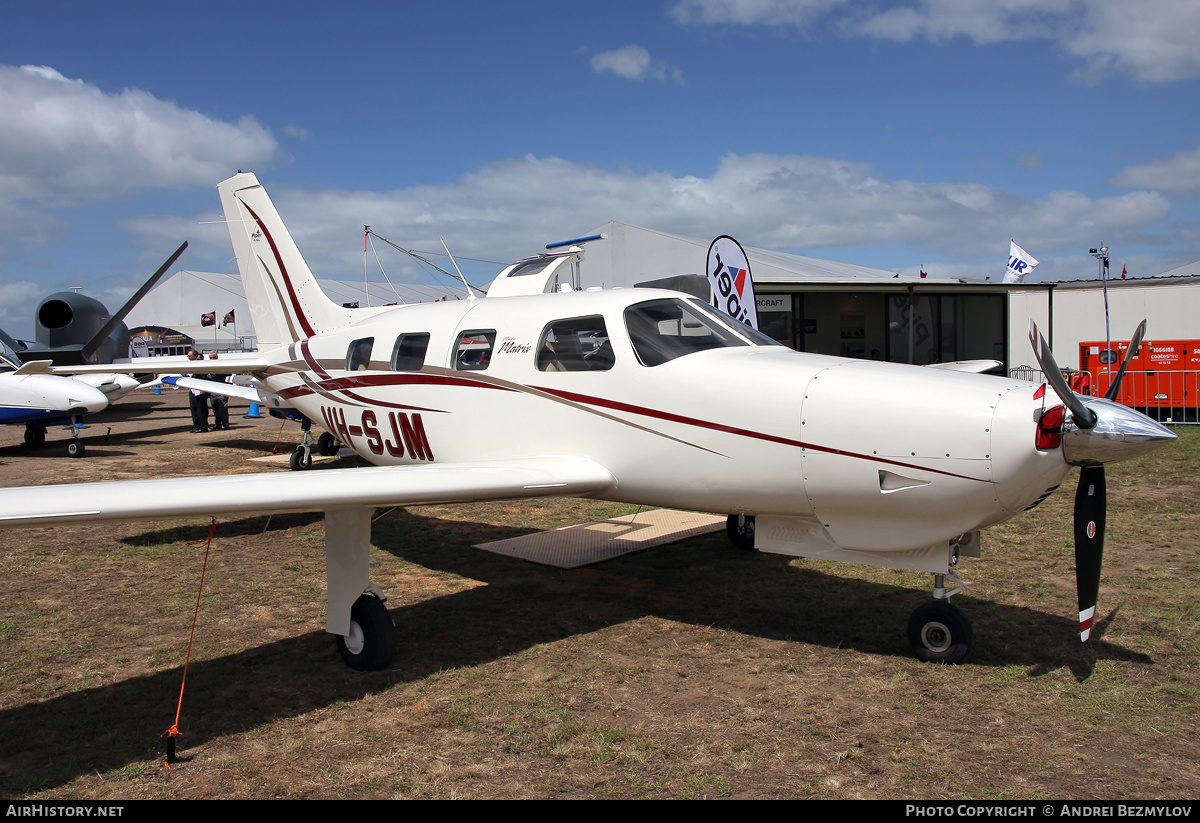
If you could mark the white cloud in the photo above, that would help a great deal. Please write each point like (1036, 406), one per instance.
(63, 140)
(1180, 173)
(510, 209)
(634, 63)
(753, 12)
(17, 302)
(1152, 40)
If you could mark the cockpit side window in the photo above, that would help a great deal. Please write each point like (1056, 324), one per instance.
(667, 328)
(474, 349)
(578, 344)
(358, 355)
(409, 352)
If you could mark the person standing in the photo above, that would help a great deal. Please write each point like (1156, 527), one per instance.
(220, 403)
(198, 401)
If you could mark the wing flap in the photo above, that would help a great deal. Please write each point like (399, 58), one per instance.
(262, 493)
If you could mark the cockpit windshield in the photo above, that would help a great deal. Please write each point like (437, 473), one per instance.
(670, 327)
(754, 335)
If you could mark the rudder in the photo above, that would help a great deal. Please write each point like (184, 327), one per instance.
(286, 302)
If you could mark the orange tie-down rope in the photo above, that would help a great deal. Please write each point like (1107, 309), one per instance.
(174, 732)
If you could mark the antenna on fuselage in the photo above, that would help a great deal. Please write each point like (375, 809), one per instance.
(470, 291)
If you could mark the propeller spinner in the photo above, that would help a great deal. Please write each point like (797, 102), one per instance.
(1096, 432)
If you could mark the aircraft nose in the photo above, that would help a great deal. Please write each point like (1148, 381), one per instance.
(1120, 434)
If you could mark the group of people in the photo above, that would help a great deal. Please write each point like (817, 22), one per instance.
(200, 400)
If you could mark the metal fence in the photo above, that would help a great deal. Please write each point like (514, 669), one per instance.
(1165, 396)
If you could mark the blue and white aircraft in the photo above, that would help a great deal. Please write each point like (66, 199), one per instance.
(30, 395)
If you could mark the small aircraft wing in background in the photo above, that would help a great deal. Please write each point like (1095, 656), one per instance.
(971, 366)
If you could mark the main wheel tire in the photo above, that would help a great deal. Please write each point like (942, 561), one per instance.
(35, 438)
(372, 639)
(741, 536)
(328, 445)
(301, 460)
(940, 633)
(74, 448)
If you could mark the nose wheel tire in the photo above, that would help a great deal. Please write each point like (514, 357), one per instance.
(74, 448)
(300, 460)
(939, 633)
(372, 638)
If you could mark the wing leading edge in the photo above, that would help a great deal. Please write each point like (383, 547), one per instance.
(302, 491)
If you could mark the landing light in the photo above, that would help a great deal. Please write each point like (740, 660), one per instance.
(1049, 430)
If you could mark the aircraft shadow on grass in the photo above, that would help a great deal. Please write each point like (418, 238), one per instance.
(702, 582)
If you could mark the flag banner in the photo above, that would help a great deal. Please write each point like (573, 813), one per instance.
(228, 318)
(1020, 263)
(209, 319)
(729, 275)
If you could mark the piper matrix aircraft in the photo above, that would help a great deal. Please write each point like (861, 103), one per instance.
(632, 395)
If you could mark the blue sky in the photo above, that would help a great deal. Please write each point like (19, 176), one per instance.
(889, 134)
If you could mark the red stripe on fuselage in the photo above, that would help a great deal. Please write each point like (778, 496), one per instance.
(708, 424)
(312, 362)
(287, 281)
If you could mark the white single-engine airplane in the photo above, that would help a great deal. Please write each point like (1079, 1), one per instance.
(632, 395)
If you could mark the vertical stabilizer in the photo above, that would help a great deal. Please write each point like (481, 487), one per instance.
(285, 300)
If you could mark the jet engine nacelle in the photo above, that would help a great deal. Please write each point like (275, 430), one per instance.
(67, 321)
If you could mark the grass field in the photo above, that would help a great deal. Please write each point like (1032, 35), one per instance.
(688, 671)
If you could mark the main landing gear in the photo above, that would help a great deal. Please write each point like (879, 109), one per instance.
(740, 529)
(937, 630)
(328, 445)
(35, 438)
(356, 614)
(372, 638)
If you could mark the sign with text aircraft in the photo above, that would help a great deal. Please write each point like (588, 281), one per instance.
(634, 395)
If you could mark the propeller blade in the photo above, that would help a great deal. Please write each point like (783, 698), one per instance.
(1085, 418)
(1134, 343)
(1090, 507)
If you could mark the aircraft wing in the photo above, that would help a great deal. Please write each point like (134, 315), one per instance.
(171, 365)
(332, 489)
(224, 389)
(973, 366)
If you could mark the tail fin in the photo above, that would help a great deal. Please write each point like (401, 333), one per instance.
(285, 300)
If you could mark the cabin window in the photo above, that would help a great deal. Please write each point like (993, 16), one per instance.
(665, 329)
(474, 349)
(578, 344)
(409, 352)
(358, 356)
